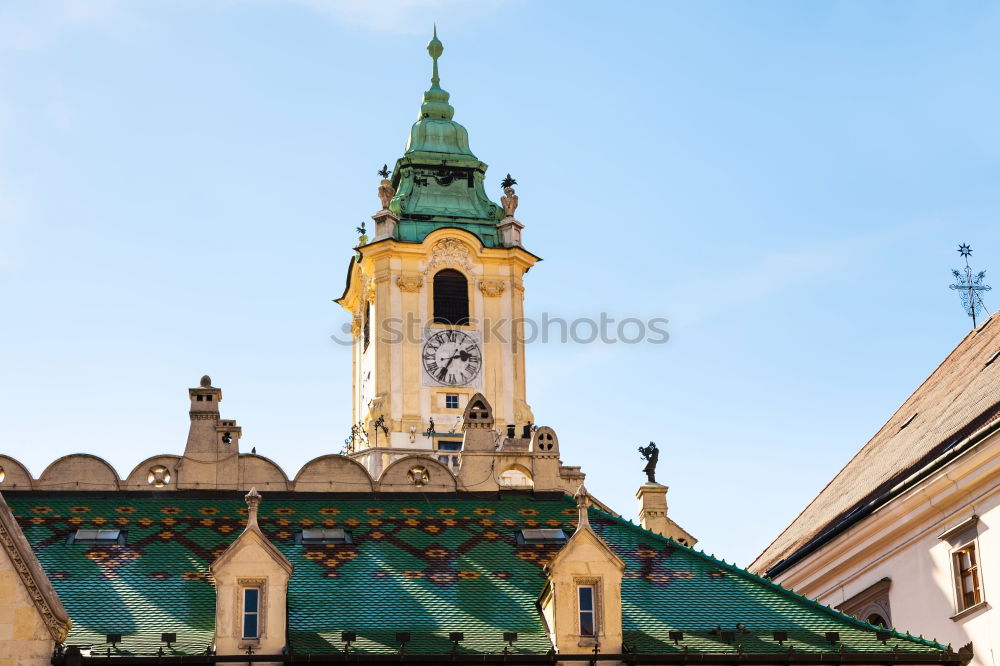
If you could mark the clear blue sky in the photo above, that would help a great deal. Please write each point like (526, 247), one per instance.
(787, 182)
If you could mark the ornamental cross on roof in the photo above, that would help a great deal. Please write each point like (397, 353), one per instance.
(970, 287)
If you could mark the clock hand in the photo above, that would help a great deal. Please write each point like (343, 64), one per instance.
(444, 370)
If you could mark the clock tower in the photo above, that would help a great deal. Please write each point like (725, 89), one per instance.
(436, 296)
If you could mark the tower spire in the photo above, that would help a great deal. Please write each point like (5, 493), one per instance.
(435, 106)
(435, 48)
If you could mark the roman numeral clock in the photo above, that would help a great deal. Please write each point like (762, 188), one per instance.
(451, 357)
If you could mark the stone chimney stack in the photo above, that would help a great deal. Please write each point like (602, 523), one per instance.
(653, 513)
(653, 507)
(203, 442)
(211, 454)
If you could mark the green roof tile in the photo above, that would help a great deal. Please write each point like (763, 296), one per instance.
(427, 564)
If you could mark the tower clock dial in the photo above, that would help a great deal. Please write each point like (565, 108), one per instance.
(451, 357)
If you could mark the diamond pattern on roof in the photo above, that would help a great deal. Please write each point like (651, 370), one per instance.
(427, 564)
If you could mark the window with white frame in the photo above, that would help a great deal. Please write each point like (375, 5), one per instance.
(251, 612)
(587, 603)
(451, 401)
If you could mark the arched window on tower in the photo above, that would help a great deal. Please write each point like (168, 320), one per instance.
(367, 335)
(451, 298)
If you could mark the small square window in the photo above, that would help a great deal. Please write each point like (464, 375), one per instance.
(451, 401)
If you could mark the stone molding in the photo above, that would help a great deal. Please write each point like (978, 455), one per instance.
(410, 283)
(30, 572)
(492, 288)
(449, 252)
(872, 600)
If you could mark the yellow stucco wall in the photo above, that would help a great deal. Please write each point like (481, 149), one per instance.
(396, 281)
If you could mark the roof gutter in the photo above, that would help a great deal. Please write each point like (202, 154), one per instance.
(862, 512)
(960, 658)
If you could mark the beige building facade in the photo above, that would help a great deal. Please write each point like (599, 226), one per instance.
(908, 533)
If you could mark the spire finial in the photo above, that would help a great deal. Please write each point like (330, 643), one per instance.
(583, 520)
(435, 106)
(252, 499)
(971, 287)
(435, 48)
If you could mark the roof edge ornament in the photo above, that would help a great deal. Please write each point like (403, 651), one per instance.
(582, 501)
(252, 499)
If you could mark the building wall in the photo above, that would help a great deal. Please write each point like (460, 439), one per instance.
(24, 638)
(901, 542)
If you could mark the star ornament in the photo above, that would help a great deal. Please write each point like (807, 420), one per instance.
(964, 249)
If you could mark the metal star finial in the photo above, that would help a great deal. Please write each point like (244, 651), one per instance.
(970, 287)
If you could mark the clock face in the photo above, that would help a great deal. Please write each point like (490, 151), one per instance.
(452, 358)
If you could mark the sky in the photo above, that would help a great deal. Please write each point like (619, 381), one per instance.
(787, 183)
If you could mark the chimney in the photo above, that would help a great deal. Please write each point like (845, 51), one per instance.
(204, 412)
(653, 508)
(210, 456)
(653, 514)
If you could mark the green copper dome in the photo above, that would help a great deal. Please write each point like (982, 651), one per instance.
(439, 182)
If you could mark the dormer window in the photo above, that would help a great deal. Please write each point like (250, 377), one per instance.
(541, 536)
(251, 612)
(588, 622)
(97, 537)
(322, 535)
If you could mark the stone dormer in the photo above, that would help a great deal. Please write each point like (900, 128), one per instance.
(32, 618)
(251, 588)
(582, 600)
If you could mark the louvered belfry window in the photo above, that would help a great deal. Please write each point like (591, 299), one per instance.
(451, 298)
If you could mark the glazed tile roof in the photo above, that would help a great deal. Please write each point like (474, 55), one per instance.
(427, 564)
(959, 397)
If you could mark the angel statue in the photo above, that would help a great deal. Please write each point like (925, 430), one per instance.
(509, 199)
(385, 189)
(651, 455)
